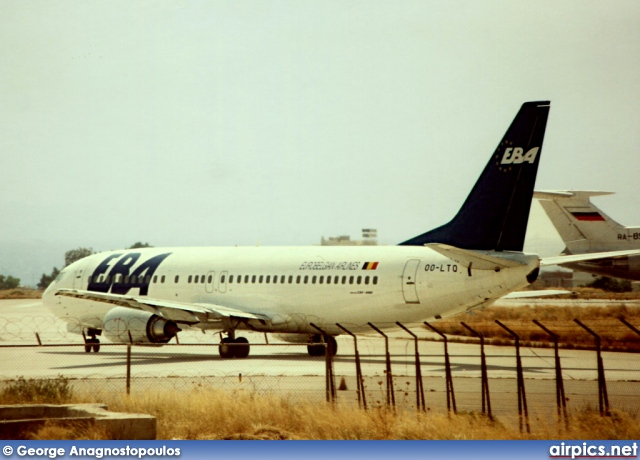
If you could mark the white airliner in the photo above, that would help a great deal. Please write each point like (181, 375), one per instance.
(148, 295)
(584, 228)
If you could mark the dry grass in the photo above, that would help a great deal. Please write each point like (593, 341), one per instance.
(605, 321)
(20, 293)
(209, 414)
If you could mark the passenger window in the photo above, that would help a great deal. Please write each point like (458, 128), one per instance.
(344, 280)
(298, 279)
(366, 280)
(246, 279)
(231, 279)
(351, 280)
(282, 279)
(162, 279)
(328, 280)
(375, 280)
(321, 279)
(290, 279)
(222, 279)
(253, 279)
(126, 279)
(148, 279)
(268, 280)
(336, 280)
(155, 279)
(209, 279)
(189, 279)
(313, 280)
(359, 280)
(275, 279)
(177, 278)
(260, 279)
(306, 279)
(195, 278)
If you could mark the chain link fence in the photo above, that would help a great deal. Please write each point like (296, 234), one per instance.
(373, 375)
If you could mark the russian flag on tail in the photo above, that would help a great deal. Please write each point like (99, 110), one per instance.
(588, 216)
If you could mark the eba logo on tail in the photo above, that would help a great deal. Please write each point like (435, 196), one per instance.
(514, 156)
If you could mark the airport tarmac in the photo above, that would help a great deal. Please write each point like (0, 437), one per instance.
(288, 368)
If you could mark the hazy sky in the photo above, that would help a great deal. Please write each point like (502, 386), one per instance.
(238, 122)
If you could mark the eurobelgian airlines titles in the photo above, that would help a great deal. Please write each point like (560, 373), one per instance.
(148, 295)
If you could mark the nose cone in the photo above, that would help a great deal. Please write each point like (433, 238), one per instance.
(48, 295)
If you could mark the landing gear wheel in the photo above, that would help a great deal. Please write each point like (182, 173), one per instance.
(226, 352)
(317, 348)
(242, 349)
(92, 343)
(331, 340)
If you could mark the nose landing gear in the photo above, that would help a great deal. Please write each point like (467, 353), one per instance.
(91, 343)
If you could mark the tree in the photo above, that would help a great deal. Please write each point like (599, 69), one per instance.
(46, 280)
(74, 255)
(140, 245)
(611, 284)
(9, 282)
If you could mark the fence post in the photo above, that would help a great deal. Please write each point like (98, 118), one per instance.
(451, 398)
(362, 397)
(603, 398)
(330, 383)
(561, 401)
(629, 325)
(419, 385)
(486, 400)
(128, 369)
(391, 397)
(522, 396)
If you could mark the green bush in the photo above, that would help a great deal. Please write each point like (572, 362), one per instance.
(21, 391)
(611, 284)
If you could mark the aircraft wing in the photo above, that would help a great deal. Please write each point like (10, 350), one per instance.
(467, 258)
(176, 311)
(559, 260)
(528, 294)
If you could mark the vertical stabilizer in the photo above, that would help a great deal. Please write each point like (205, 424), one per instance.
(495, 214)
(582, 225)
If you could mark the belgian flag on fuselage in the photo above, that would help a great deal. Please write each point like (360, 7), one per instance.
(370, 265)
(495, 214)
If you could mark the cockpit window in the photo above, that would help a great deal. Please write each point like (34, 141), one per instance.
(60, 276)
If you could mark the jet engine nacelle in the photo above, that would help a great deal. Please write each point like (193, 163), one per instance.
(127, 325)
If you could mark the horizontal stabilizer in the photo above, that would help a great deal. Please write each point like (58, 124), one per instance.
(559, 260)
(175, 311)
(558, 194)
(529, 294)
(468, 258)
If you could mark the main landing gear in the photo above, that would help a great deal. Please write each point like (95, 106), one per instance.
(232, 347)
(91, 343)
(317, 346)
